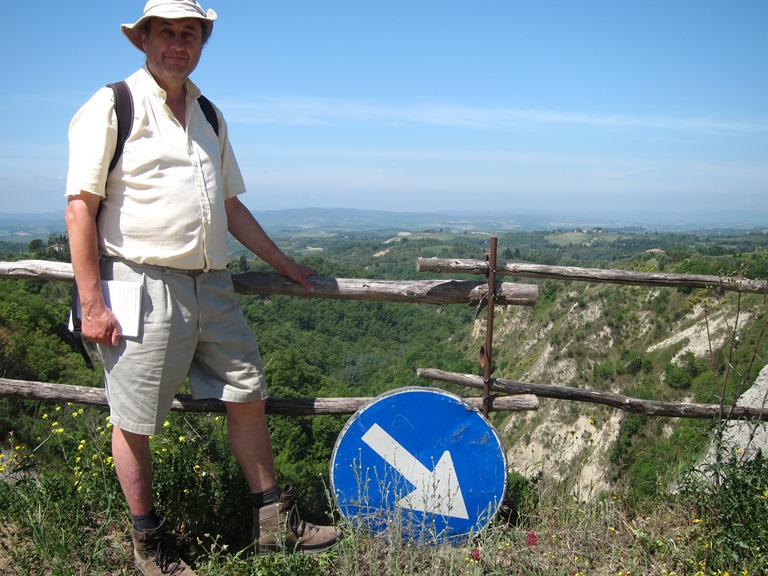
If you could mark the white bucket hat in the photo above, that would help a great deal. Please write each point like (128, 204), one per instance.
(169, 9)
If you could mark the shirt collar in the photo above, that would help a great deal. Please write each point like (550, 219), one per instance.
(191, 88)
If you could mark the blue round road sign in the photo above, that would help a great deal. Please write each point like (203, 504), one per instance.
(422, 461)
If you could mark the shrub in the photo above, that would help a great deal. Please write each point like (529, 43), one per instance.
(677, 377)
(520, 499)
(733, 507)
(604, 372)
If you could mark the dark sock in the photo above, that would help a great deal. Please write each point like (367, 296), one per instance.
(265, 498)
(148, 521)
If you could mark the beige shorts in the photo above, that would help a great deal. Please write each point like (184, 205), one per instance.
(192, 325)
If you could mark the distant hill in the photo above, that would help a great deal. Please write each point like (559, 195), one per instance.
(24, 227)
(372, 220)
(355, 220)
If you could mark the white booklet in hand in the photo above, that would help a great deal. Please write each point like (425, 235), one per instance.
(124, 299)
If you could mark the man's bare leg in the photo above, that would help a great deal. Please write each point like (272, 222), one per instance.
(251, 444)
(133, 464)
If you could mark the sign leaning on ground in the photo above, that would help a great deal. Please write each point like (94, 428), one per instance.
(421, 461)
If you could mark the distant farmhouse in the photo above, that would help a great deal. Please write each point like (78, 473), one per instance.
(589, 230)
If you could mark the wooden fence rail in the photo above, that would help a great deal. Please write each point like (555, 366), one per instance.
(626, 403)
(727, 283)
(414, 291)
(184, 403)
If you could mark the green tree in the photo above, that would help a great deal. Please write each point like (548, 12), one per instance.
(36, 246)
(677, 377)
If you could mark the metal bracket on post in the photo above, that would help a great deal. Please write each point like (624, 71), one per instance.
(486, 351)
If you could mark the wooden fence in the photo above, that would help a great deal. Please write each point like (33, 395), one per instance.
(518, 395)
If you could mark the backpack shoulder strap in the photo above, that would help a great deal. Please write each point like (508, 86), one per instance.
(124, 111)
(210, 113)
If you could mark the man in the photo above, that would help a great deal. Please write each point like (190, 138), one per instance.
(160, 218)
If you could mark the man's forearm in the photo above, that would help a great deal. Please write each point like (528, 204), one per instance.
(84, 248)
(99, 323)
(250, 234)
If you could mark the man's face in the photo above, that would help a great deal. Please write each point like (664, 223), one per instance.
(173, 47)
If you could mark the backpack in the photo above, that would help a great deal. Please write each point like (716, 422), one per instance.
(124, 111)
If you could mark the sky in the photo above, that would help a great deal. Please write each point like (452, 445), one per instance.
(514, 106)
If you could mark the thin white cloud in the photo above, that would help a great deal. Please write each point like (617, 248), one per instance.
(315, 111)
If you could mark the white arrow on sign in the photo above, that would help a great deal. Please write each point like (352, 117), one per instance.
(436, 492)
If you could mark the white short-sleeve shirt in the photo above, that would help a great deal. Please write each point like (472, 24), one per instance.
(163, 203)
